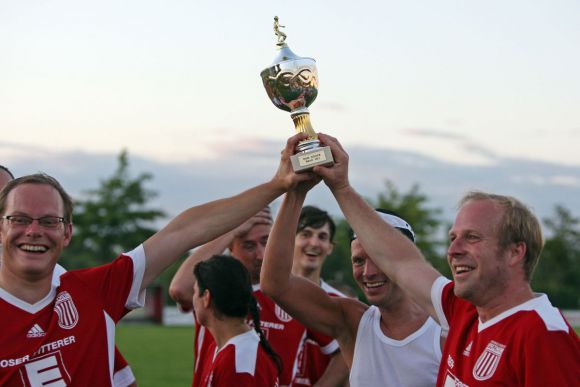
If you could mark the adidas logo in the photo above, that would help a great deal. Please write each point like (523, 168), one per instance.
(467, 350)
(35, 331)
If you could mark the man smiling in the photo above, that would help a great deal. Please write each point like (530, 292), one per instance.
(313, 243)
(393, 342)
(63, 333)
(123, 374)
(287, 336)
(500, 332)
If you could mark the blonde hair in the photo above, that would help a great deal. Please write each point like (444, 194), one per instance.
(518, 224)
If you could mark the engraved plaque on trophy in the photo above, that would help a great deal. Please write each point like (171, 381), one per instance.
(291, 82)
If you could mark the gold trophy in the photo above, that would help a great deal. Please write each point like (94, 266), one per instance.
(292, 85)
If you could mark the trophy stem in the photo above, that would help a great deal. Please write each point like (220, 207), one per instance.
(303, 125)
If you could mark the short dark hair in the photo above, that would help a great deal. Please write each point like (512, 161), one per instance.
(314, 217)
(38, 178)
(5, 169)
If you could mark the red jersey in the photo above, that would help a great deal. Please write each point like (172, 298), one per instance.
(313, 359)
(528, 345)
(122, 374)
(241, 362)
(286, 336)
(203, 344)
(68, 338)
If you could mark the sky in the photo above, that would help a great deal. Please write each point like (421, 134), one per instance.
(178, 81)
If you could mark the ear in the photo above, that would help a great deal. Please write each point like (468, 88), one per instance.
(331, 248)
(230, 247)
(68, 231)
(206, 298)
(517, 253)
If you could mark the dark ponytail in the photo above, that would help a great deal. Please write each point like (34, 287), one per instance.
(263, 340)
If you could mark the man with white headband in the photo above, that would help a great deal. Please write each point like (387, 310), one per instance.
(392, 342)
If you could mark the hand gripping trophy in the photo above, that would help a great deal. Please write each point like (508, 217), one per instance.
(292, 85)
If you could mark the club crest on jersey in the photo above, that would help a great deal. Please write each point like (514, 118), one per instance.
(487, 362)
(281, 314)
(68, 316)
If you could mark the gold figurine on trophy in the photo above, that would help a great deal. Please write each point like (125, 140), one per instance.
(281, 36)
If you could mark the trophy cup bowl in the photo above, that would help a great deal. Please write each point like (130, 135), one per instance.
(291, 83)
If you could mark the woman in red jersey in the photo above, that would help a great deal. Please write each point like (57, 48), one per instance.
(222, 300)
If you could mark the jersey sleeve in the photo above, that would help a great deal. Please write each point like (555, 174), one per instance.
(551, 358)
(118, 283)
(136, 298)
(327, 344)
(122, 373)
(442, 300)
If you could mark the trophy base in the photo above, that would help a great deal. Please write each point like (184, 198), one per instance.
(305, 161)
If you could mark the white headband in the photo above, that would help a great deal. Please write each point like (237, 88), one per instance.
(394, 221)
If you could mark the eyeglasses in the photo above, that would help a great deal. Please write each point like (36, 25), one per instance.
(23, 220)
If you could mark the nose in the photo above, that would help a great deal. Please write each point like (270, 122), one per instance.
(314, 241)
(455, 247)
(33, 228)
(260, 250)
(370, 268)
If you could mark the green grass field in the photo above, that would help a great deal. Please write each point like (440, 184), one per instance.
(159, 356)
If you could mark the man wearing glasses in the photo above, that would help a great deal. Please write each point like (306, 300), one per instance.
(63, 334)
(122, 373)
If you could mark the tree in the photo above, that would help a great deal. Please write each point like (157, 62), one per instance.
(111, 219)
(558, 270)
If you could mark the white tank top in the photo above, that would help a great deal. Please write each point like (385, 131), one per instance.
(381, 361)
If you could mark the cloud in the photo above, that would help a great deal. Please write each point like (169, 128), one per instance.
(540, 133)
(238, 166)
(471, 149)
(479, 149)
(572, 181)
(253, 147)
(19, 150)
(434, 133)
(557, 180)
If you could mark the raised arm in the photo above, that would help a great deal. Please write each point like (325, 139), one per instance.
(393, 253)
(298, 296)
(203, 223)
(181, 287)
